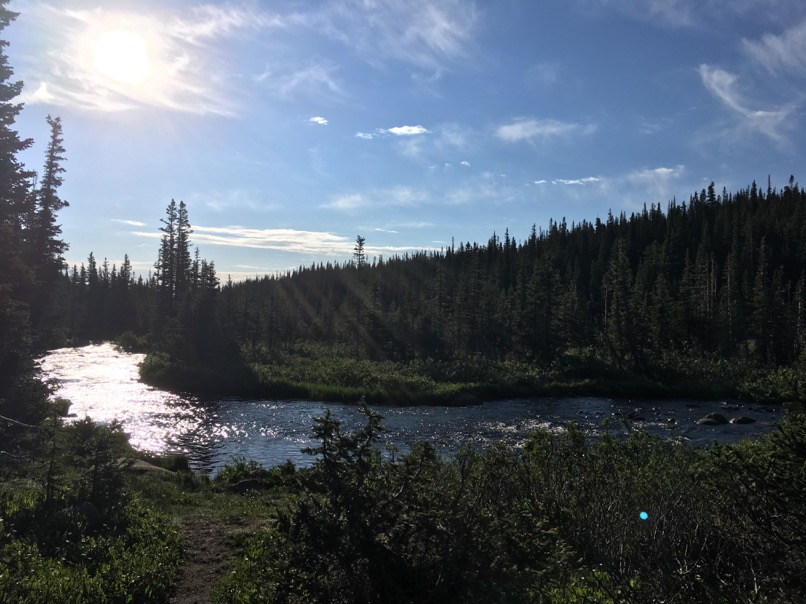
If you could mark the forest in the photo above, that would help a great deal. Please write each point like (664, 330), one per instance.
(703, 298)
(707, 293)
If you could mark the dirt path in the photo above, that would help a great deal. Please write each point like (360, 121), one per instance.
(210, 547)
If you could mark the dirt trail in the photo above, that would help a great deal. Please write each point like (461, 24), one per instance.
(210, 548)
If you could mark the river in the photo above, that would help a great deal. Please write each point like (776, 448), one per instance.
(101, 382)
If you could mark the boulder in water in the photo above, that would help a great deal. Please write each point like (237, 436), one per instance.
(712, 419)
(742, 420)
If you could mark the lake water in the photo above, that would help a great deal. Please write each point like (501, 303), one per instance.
(101, 383)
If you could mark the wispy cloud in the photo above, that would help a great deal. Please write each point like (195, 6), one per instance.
(318, 120)
(226, 200)
(317, 80)
(674, 13)
(588, 180)
(114, 60)
(321, 243)
(286, 240)
(430, 35)
(650, 185)
(723, 85)
(784, 52)
(696, 13)
(530, 129)
(398, 196)
(209, 22)
(134, 223)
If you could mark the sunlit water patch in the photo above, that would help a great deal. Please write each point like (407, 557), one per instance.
(101, 383)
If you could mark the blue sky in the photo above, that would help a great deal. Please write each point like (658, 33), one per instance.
(290, 127)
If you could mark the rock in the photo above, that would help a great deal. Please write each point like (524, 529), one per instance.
(143, 467)
(712, 419)
(259, 474)
(636, 416)
(742, 420)
(249, 484)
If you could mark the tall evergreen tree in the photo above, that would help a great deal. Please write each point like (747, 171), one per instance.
(22, 395)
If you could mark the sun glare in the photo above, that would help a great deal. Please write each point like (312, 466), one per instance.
(122, 56)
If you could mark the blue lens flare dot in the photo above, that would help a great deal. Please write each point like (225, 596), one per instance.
(643, 516)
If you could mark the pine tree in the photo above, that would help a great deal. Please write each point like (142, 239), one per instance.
(22, 396)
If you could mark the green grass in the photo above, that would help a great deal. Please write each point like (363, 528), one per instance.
(315, 372)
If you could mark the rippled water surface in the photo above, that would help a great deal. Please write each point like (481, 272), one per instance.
(102, 383)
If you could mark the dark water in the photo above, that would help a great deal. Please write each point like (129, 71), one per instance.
(102, 383)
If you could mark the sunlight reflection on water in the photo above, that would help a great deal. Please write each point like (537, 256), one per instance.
(102, 383)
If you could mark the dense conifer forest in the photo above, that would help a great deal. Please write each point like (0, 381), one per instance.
(695, 289)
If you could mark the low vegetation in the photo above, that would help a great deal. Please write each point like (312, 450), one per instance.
(561, 519)
(312, 371)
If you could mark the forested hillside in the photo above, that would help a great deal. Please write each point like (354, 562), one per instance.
(721, 274)
(716, 279)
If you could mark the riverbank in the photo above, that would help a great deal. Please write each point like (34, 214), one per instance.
(333, 374)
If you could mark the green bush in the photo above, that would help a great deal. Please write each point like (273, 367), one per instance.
(557, 521)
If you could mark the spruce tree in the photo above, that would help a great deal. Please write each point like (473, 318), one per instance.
(22, 396)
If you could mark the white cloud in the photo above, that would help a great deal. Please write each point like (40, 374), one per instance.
(285, 240)
(540, 182)
(320, 243)
(547, 129)
(784, 52)
(465, 163)
(318, 120)
(367, 136)
(576, 181)
(135, 223)
(723, 85)
(408, 130)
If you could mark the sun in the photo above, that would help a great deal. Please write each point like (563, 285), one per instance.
(123, 56)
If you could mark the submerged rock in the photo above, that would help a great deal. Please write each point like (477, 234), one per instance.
(742, 420)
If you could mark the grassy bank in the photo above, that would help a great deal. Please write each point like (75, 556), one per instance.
(313, 372)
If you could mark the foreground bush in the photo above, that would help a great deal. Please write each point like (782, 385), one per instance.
(78, 536)
(562, 520)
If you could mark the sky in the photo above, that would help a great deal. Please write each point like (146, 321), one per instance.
(291, 127)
